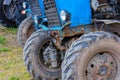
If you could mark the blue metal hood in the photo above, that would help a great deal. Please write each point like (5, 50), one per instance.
(80, 11)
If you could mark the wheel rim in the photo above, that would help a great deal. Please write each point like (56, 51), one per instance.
(102, 66)
(41, 59)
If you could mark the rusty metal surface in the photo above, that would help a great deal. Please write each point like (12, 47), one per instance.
(113, 28)
(101, 67)
(78, 30)
(103, 1)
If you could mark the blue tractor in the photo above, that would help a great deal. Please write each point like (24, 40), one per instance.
(74, 40)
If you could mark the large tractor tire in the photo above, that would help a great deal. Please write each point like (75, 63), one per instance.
(33, 52)
(95, 56)
(3, 17)
(26, 28)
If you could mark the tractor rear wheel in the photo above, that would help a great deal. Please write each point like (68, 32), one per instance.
(26, 28)
(94, 56)
(36, 57)
(3, 17)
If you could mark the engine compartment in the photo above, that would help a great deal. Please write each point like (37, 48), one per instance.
(106, 9)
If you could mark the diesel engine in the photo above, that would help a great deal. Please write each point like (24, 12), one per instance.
(106, 9)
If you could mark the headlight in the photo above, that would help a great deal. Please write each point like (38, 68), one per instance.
(23, 12)
(24, 5)
(64, 15)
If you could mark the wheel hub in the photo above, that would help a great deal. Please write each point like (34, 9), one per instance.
(50, 59)
(101, 67)
(102, 70)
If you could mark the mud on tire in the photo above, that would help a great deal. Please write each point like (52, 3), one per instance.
(33, 58)
(94, 56)
(26, 28)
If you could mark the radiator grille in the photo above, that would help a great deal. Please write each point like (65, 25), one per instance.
(51, 13)
(35, 8)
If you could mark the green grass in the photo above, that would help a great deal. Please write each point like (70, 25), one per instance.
(4, 49)
(9, 30)
(11, 62)
(13, 30)
(14, 78)
(2, 40)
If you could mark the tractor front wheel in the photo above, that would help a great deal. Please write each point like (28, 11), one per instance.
(95, 56)
(42, 59)
(26, 28)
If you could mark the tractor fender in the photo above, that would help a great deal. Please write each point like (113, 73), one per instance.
(7, 2)
(107, 21)
(112, 26)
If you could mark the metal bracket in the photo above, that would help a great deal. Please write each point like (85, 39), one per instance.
(107, 21)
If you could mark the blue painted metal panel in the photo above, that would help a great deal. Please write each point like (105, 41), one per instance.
(80, 11)
(42, 7)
